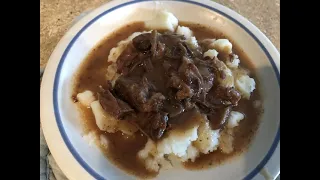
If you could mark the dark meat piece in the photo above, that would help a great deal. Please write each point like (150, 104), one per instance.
(227, 57)
(191, 75)
(125, 109)
(154, 40)
(116, 107)
(159, 53)
(171, 67)
(135, 63)
(109, 103)
(147, 65)
(223, 96)
(183, 49)
(219, 118)
(154, 44)
(204, 107)
(170, 39)
(138, 94)
(205, 62)
(159, 125)
(157, 48)
(179, 48)
(193, 52)
(154, 103)
(208, 77)
(108, 86)
(219, 67)
(184, 91)
(153, 124)
(205, 44)
(128, 60)
(185, 119)
(149, 45)
(174, 52)
(215, 64)
(167, 66)
(142, 42)
(217, 104)
(188, 83)
(207, 82)
(173, 108)
(188, 104)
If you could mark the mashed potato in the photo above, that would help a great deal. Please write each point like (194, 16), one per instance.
(227, 135)
(208, 139)
(182, 30)
(192, 154)
(234, 62)
(149, 156)
(104, 121)
(163, 20)
(234, 119)
(221, 45)
(211, 53)
(107, 122)
(90, 138)
(245, 85)
(177, 142)
(192, 42)
(104, 142)
(226, 141)
(235, 76)
(184, 145)
(86, 98)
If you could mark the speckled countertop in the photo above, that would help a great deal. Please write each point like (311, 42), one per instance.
(57, 15)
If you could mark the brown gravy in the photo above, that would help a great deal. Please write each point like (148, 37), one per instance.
(122, 150)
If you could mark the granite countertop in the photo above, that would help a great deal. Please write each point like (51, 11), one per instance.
(57, 15)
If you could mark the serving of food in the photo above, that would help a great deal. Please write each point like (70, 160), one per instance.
(161, 97)
(169, 91)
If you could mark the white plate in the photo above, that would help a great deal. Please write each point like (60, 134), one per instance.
(60, 120)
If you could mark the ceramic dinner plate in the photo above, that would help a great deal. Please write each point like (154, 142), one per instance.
(61, 122)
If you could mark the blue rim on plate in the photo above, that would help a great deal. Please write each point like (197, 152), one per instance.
(57, 80)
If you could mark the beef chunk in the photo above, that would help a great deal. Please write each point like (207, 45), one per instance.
(142, 42)
(223, 96)
(139, 94)
(113, 105)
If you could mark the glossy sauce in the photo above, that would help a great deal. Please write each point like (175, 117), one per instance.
(122, 150)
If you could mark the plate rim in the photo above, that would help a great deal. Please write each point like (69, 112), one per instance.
(220, 10)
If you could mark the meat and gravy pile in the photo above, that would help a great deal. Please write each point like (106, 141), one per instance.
(156, 92)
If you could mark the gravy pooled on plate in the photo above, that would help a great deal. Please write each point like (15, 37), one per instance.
(157, 96)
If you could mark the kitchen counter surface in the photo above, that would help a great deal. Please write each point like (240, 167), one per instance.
(56, 17)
